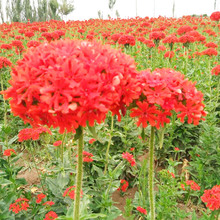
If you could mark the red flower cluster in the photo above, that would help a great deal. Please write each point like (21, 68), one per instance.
(216, 70)
(70, 191)
(215, 16)
(212, 198)
(40, 197)
(127, 40)
(4, 62)
(211, 44)
(33, 43)
(129, 157)
(157, 35)
(193, 185)
(48, 203)
(67, 83)
(210, 52)
(169, 54)
(57, 143)
(124, 185)
(87, 157)
(32, 133)
(184, 29)
(19, 205)
(165, 90)
(142, 210)
(8, 152)
(51, 216)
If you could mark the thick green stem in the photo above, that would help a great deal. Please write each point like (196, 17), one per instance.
(109, 144)
(151, 175)
(79, 176)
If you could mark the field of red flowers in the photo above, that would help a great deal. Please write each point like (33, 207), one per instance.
(110, 119)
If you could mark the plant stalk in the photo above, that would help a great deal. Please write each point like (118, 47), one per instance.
(151, 175)
(79, 176)
(109, 144)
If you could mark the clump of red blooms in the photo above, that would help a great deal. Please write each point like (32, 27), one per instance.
(127, 40)
(40, 197)
(9, 152)
(32, 133)
(123, 185)
(48, 203)
(210, 52)
(51, 215)
(78, 82)
(172, 174)
(19, 205)
(87, 157)
(164, 91)
(215, 16)
(4, 62)
(193, 185)
(129, 157)
(57, 143)
(212, 198)
(216, 70)
(142, 210)
(70, 191)
(92, 140)
(169, 54)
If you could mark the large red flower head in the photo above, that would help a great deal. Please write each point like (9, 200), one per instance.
(215, 16)
(212, 198)
(69, 83)
(163, 91)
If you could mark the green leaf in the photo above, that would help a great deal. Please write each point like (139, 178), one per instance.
(5, 181)
(92, 216)
(93, 131)
(70, 210)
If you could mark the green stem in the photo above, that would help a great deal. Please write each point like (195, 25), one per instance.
(79, 176)
(62, 145)
(5, 110)
(35, 165)
(109, 144)
(151, 175)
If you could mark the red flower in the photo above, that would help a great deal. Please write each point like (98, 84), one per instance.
(183, 186)
(78, 82)
(87, 157)
(40, 197)
(146, 113)
(51, 216)
(32, 133)
(57, 143)
(216, 70)
(211, 44)
(19, 205)
(142, 210)
(212, 198)
(215, 16)
(129, 157)
(210, 52)
(157, 35)
(70, 191)
(92, 140)
(169, 54)
(176, 149)
(124, 186)
(127, 40)
(4, 62)
(9, 152)
(48, 203)
(193, 185)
